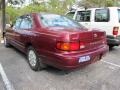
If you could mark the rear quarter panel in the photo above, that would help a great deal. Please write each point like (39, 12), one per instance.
(45, 42)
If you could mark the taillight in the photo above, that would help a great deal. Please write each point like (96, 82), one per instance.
(74, 46)
(65, 46)
(70, 46)
(115, 31)
(82, 45)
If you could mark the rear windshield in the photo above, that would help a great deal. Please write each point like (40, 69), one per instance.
(54, 20)
(119, 14)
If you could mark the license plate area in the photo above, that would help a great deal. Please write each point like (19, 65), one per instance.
(84, 59)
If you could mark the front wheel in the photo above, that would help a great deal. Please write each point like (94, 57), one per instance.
(33, 60)
(111, 47)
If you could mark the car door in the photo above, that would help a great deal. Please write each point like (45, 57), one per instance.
(11, 32)
(84, 18)
(23, 32)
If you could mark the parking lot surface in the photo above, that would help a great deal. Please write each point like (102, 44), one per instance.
(2, 87)
(102, 75)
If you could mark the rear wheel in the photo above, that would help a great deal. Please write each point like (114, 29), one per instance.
(111, 47)
(34, 61)
(6, 44)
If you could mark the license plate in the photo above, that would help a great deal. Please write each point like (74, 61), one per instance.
(84, 59)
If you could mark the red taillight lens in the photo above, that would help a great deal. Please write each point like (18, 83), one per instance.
(74, 46)
(70, 46)
(115, 30)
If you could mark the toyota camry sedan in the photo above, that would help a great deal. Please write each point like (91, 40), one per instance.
(55, 40)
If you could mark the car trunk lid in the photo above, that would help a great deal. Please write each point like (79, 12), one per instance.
(92, 39)
(87, 39)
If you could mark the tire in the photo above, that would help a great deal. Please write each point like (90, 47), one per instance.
(6, 44)
(34, 61)
(111, 47)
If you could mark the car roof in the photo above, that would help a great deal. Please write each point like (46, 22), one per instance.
(79, 9)
(33, 13)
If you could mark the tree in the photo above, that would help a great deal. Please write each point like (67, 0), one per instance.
(97, 3)
(60, 6)
(52, 6)
(15, 2)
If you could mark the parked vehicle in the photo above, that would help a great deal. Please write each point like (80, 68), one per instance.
(106, 19)
(50, 39)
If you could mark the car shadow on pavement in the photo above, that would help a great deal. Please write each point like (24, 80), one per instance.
(113, 49)
(56, 71)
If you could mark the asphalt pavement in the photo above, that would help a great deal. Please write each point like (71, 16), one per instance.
(102, 75)
(2, 86)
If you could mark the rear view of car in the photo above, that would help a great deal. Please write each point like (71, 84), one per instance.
(81, 49)
(76, 46)
(50, 39)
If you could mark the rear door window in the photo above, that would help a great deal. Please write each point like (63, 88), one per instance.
(17, 23)
(102, 15)
(83, 16)
(119, 14)
(26, 23)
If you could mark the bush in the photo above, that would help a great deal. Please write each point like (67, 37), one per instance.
(54, 6)
(12, 13)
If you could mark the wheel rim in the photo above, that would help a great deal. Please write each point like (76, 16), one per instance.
(32, 58)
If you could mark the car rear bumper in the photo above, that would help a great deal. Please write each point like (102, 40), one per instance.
(69, 61)
(113, 41)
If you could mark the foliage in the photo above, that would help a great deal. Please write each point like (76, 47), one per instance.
(109, 3)
(12, 12)
(33, 8)
(54, 6)
(98, 3)
(15, 2)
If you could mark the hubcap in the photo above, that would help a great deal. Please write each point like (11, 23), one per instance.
(32, 58)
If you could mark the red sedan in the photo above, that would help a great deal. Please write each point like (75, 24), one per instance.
(50, 39)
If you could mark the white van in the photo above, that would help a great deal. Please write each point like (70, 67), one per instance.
(106, 19)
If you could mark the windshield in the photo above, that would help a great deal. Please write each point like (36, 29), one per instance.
(54, 20)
